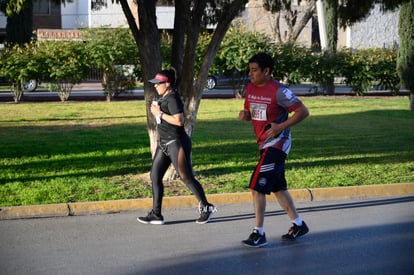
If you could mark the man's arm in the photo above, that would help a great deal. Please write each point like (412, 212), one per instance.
(299, 114)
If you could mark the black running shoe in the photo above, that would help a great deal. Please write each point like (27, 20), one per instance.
(152, 218)
(205, 213)
(255, 240)
(296, 231)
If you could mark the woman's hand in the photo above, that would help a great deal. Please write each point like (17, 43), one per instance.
(155, 110)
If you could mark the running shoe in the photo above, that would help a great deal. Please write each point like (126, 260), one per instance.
(296, 231)
(255, 240)
(206, 212)
(152, 218)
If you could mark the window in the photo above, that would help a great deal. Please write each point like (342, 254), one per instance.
(41, 7)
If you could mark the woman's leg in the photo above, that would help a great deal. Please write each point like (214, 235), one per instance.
(180, 153)
(160, 164)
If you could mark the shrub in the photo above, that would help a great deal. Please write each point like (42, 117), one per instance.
(16, 64)
(290, 60)
(109, 50)
(63, 63)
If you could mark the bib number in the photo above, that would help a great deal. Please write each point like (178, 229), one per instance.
(258, 111)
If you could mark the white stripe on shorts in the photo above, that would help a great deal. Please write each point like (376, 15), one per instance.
(267, 167)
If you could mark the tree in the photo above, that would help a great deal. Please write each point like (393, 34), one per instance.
(16, 64)
(191, 17)
(295, 21)
(345, 13)
(348, 12)
(234, 53)
(111, 50)
(405, 60)
(20, 19)
(61, 63)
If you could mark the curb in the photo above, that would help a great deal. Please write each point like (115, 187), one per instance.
(117, 206)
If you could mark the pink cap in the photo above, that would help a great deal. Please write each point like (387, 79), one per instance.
(159, 78)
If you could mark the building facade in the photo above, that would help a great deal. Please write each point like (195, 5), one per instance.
(81, 14)
(377, 30)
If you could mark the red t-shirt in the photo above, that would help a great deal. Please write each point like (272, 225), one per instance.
(270, 103)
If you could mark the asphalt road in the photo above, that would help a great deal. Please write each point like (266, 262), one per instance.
(93, 91)
(365, 236)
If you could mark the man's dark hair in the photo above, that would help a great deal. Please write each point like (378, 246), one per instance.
(263, 60)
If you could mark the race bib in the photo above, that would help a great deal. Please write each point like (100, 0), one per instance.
(258, 111)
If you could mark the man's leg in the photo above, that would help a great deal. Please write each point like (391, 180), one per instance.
(299, 227)
(259, 204)
(257, 238)
(286, 202)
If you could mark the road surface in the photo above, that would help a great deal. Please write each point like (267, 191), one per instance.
(365, 236)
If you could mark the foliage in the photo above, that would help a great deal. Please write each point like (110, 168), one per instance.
(16, 64)
(166, 51)
(359, 69)
(12, 7)
(289, 61)
(108, 49)
(237, 47)
(201, 49)
(352, 11)
(405, 61)
(347, 13)
(363, 69)
(118, 80)
(19, 26)
(382, 64)
(295, 15)
(63, 63)
(322, 68)
(190, 19)
(20, 19)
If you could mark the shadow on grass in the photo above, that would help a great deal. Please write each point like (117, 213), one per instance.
(375, 137)
(72, 117)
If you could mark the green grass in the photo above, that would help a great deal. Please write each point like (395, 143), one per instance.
(71, 152)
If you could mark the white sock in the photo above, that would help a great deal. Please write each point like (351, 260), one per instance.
(298, 221)
(260, 230)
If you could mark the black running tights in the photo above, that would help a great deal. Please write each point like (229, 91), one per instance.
(178, 153)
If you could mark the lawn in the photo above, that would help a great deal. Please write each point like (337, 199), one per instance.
(89, 151)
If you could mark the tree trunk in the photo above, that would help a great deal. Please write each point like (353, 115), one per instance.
(65, 88)
(331, 7)
(276, 30)
(180, 28)
(187, 25)
(304, 19)
(193, 101)
(147, 38)
(405, 59)
(17, 90)
(295, 21)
